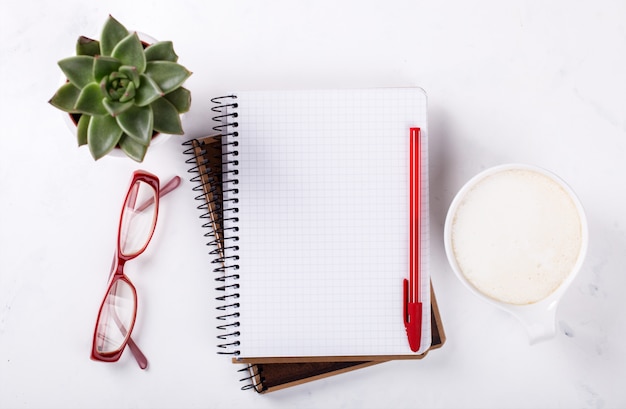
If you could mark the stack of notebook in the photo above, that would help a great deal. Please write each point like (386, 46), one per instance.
(306, 199)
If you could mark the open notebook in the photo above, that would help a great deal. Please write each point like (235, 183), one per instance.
(315, 223)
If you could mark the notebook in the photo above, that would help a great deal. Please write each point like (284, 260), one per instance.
(316, 191)
(205, 165)
(264, 377)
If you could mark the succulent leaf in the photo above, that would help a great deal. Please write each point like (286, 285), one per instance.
(161, 51)
(78, 69)
(90, 100)
(65, 98)
(82, 129)
(104, 66)
(137, 122)
(87, 46)
(112, 33)
(168, 75)
(132, 149)
(166, 117)
(131, 73)
(180, 98)
(130, 52)
(103, 134)
(129, 93)
(114, 108)
(147, 92)
(110, 86)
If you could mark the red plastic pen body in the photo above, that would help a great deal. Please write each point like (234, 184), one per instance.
(411, 287)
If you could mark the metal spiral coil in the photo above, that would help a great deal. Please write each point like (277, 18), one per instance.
(254, 379)
(214, 164)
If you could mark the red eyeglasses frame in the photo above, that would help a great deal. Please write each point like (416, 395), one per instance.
(119, 261)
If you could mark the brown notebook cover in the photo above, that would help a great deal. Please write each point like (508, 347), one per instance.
(263, 377)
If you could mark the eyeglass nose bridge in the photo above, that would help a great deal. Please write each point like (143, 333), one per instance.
(120, 262)
(121, 259)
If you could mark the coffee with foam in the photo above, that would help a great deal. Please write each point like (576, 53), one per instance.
(516, 235)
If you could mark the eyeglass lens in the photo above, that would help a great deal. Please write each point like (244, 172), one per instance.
(138, 219)
(116, 318)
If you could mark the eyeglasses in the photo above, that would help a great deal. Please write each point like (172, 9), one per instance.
(118, 311)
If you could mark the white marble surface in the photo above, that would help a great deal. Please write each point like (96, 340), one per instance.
(539, 82)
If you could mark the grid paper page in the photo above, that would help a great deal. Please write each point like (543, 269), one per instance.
(323, 180)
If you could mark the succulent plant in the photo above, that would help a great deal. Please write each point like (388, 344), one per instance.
(121, 92)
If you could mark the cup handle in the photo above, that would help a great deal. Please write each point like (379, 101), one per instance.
(539, 321)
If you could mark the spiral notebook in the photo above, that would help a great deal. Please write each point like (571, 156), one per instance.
(315, 224)
(205, 161)
(206, 166)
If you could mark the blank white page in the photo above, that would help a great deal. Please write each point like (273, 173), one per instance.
(323, 199)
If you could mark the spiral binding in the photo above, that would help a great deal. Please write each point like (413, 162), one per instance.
(207, 181)
(214, 161)
(254, 378)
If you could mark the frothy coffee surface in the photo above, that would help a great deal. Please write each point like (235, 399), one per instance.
(516, 236)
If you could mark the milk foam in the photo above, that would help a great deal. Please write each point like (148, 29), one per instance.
(516, 235)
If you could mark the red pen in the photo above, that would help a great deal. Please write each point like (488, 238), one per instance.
(411, 287)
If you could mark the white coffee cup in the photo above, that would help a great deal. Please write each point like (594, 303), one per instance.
(516, 236)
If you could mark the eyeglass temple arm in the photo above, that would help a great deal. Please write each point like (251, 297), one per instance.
(139, 356)
(167, 188)
(172, 184)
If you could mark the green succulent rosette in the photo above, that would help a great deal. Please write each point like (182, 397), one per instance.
(123, 92)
